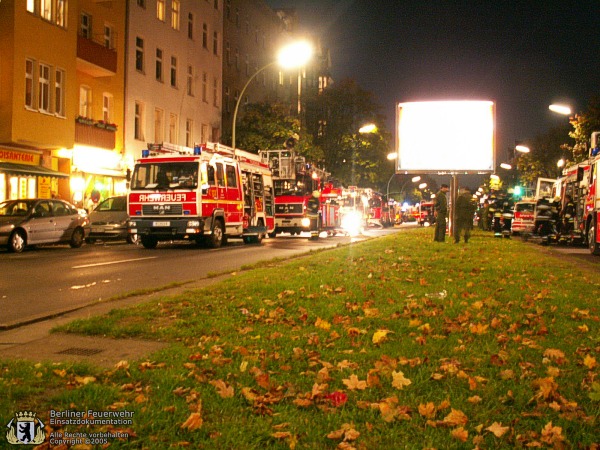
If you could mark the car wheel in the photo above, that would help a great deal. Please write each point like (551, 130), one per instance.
(591, 239)
(149, 242)
(215, 240)
(16, 242)
(77, 238)
(133, 239)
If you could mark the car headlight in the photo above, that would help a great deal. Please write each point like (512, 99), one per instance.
(305, 222)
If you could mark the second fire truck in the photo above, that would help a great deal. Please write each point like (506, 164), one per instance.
(206, 194)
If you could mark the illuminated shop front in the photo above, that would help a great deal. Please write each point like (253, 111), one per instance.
(23, 176)
(96, 174)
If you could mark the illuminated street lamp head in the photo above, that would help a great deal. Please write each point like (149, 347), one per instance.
(506, 166)
(422, 185)
(560, 109)
(392, 156)
(522, 149)
(415, 179)
(295, 54)
(560, 162)
(368, 128)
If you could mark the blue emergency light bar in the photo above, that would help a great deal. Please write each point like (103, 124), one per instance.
(197, 149)
(145, 153)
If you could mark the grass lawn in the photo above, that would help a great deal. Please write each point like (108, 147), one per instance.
(397, 342)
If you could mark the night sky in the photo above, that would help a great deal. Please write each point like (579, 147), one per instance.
(523, 55)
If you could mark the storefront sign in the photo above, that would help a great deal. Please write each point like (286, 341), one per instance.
(14, 156)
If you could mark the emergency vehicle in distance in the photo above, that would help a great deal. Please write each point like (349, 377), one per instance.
(206, 194)
(294, 182)
(591, 206)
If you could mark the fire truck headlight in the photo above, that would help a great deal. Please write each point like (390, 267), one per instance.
(193, 223)
(352, 223)
(305, 222)
(131, 224)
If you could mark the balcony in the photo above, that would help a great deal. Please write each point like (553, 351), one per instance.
(95, 59)
(94, 135)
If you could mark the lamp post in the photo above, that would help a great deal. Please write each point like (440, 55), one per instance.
(413, 179)
(293, 55)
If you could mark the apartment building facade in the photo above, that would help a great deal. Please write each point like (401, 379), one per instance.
(174, 73)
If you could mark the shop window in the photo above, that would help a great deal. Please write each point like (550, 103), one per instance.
(2, 187)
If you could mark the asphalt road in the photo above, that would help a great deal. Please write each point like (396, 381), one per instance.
(50, 280)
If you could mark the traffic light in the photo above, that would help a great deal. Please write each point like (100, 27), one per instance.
(517, 191)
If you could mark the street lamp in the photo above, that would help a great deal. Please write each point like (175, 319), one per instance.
(413, 179)
(560, 109)
(293, 55)
(522, 149)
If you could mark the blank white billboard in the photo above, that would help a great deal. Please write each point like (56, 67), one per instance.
(445, 136)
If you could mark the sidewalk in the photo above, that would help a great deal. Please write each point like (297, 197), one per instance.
(35, 342)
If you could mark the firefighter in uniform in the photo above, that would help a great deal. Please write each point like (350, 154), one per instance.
(465, 207)
(313, 209)
(568, 216)
(440, 212)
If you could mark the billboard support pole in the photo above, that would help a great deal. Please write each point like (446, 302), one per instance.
(453, 197)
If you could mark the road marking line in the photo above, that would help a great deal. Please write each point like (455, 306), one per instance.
(112, 262)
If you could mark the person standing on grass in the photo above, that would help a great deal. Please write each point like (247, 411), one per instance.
(440, 212)
(464, 216)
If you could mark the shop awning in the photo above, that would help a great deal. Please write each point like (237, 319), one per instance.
(27, 169)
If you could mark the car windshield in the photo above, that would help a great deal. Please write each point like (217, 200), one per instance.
(16, 207)
(112, 204)
(165, 175)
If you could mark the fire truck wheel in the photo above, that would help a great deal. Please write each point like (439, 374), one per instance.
(215, 240)
(273, 234)
(149, 242)
(591, 238)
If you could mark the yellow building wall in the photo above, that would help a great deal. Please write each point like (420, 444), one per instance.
(7, 25)
(113, 13)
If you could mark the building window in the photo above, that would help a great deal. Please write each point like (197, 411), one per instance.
(175, 8)
(107, 107)
(138, 132)
(190, 26)
(29, 64)
(160, 10)
(204, 86)
(141, 3)
(228, 9)
(204, 35)
(46, 9)
(109, 36)
(237, 59)
(215, 43)
(189, 133)
(215, 91)
(61, 13)
(59, 93)
(204, 133)
(190, 80)
(139, 54)
(216, 4)
(31, 6)
(159, 65)
(85, 101)
(173, 71)
(228, 53)
(44, 89)
(159, 117)
(86, 25)
(173, 128)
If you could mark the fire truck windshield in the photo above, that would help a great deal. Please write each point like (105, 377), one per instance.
(302, 185)
(165, 175)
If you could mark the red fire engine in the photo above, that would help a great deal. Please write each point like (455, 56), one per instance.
(206, 194)
(591, 186)
(294, 182)
(426, 213)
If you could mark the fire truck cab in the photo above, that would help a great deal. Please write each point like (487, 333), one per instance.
(206, 195)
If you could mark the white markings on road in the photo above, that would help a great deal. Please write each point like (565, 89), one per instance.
(112, 262)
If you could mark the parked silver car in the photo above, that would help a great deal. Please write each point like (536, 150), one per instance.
(109, 221)
(41, 221)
